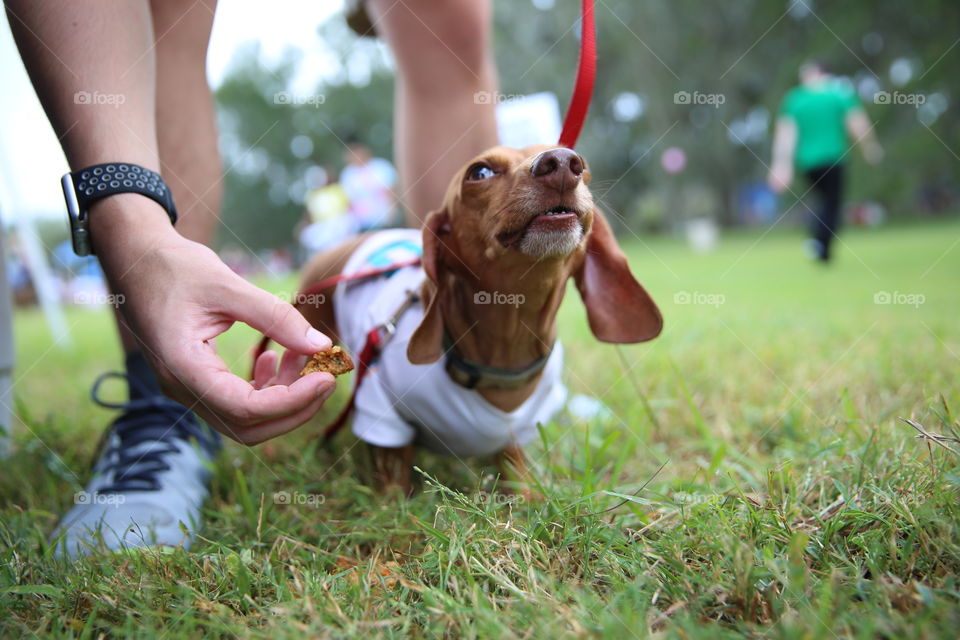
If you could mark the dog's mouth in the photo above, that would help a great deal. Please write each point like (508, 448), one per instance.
(554, 215)
(558, 219)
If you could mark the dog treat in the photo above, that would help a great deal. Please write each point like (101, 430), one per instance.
(335, 360)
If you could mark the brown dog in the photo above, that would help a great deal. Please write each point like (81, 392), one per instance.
(473, 366)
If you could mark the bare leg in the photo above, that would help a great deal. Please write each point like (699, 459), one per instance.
(186, 125)
(443, 59)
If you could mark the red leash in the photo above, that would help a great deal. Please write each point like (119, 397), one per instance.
(586, 73)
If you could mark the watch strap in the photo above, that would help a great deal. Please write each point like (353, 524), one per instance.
(112, 178)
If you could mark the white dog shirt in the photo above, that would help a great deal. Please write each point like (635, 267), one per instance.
(400, 403)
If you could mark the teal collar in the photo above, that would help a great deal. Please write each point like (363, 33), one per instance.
(474, 375)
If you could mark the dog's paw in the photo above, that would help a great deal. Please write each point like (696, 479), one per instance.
(395, 490)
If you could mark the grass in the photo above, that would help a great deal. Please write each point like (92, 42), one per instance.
(753, 479)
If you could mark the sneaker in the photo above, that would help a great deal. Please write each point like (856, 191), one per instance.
(149, 482)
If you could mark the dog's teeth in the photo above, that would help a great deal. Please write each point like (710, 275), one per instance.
(555, 212)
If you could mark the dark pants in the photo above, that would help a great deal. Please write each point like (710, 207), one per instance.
(827, 182)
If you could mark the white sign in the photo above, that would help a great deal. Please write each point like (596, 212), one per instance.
(527, 120)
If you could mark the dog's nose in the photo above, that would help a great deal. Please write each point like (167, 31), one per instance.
(559, 169)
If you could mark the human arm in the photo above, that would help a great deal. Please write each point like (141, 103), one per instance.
(94, 69)
(784, 147)
(862, 133)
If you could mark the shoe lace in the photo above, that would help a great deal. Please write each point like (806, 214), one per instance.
(146, 432)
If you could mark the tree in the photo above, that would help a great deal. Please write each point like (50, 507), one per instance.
(734, 59)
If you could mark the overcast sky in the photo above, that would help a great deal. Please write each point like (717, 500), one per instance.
(31, 162)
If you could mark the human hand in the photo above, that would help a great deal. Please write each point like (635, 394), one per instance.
(780, 178)
(178, 297)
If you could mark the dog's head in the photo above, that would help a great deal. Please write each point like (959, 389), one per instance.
(510, 213)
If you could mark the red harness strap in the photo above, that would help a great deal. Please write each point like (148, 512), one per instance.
(363, 274)
(586, 72)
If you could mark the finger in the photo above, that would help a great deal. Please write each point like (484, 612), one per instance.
(265, 369)
(232, 400)
(256, 434)
(290, 366)
(237, 402)
(275, 318)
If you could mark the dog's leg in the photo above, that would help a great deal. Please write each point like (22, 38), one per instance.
(512, 463)
(392, 468)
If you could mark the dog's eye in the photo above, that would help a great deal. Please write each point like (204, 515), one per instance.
(479, 172)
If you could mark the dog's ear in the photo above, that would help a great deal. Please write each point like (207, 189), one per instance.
(618, 308)
(426, 343)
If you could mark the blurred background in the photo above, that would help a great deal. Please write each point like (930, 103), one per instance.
(678, 135)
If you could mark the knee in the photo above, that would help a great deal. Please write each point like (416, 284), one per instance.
(433, 40)
(460, 27)
(183, 28)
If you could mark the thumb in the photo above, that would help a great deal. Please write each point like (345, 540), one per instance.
(276, 319)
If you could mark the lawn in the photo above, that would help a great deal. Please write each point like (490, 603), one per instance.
(752, 477)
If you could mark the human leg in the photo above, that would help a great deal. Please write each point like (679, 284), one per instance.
(444, 101)
(153, 472)
(827, 183)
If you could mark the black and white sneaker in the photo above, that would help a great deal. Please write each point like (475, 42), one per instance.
(150, 479)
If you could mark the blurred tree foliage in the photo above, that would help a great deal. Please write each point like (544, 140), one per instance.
(746, 51)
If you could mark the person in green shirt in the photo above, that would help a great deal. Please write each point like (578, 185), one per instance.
(818, 122)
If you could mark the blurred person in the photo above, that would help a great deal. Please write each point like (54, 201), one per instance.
(817, 123)
(124, 84)
(326, 218)
(277, 261)
(368, 183)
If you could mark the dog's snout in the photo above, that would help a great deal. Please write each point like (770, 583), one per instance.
(558, 168)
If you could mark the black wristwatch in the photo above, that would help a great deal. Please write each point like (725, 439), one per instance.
(83, 187)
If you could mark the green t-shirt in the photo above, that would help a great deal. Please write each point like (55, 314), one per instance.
(820, 113)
